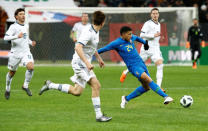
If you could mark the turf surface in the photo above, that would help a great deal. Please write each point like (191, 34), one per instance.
(56, 111)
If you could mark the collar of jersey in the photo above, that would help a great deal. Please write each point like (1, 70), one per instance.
(20, 24)
(125, 40)
(94, 29)
(154, 22)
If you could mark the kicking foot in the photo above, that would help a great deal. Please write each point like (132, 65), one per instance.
(45, 87)
(168, 100)
(7, 94)
(27, 90)
(123, 102)
(103, 119)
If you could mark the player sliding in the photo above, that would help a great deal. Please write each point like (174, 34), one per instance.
(124, 45)
(85, 48)
(151, 32)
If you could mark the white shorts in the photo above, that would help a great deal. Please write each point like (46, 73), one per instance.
(81, 74)
(154, 53)
(14, 61)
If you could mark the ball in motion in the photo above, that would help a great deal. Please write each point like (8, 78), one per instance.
(186, 101)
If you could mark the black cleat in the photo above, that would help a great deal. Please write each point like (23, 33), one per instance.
(103, 119)
(45, 87)
(27, 90)
(7, 94)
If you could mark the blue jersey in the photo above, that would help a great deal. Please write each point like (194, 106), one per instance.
(126, 50)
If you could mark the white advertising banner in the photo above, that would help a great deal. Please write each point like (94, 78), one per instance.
(11, 5)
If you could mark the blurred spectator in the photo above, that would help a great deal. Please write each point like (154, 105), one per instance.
(90, 3)
(3, 18)
(102, 3)
(173, 40)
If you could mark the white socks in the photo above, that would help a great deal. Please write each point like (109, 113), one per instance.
(8, 82)
(96, 104)
(28, 77)
(159, 74)
(61, 87)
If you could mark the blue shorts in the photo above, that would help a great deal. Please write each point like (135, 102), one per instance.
(138, 69)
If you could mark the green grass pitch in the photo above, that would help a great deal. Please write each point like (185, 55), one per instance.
(56, 111)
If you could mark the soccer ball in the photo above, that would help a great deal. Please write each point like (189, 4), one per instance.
(186, 101)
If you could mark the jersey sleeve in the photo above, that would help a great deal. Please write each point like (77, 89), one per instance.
(139, 39)
(145, 32)
(84, 37)
(74, 29)
(110, 46)
(10, 34)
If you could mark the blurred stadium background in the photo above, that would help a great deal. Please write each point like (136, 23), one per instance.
(51, 22)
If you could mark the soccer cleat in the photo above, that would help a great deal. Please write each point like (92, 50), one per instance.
(123, 102)
(123, 76)
(194, 65)
(45, 87)
(7, 94)
(27, 90)
(167, 100)
(103, 118)
(162, 89)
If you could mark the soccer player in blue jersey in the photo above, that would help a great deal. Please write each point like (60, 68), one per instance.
(124, 45)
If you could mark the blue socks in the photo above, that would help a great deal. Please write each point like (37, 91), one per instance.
(137, 92)
(140, 90)
(157, 89)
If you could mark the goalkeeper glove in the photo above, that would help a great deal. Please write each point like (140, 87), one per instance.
(146, 46)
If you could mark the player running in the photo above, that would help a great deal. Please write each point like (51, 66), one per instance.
(20, 51)
(151, 32)
(124, 45)
(195, 37)
(85, 48)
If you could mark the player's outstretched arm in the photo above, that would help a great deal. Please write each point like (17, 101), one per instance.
(108, 47)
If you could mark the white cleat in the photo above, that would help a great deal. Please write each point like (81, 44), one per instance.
(103, 119)
(45, 87)
(168, 100)
(123, 102)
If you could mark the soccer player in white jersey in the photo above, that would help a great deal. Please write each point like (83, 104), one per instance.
(20, 51)
(151, 32)
(85, 48)
(79, 26)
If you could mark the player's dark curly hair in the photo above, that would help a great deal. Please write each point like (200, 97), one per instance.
(98, 17)
(154, 9)
(17, 11)
(125, 29)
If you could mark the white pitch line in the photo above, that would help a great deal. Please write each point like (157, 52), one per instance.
(123, 88)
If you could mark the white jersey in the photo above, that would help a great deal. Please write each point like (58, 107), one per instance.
(20, 46)
(78, 27)
(149, 29)
(89, 38)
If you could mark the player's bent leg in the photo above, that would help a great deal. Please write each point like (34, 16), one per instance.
(123, 75)
(65, 88)
(9, 77)
(146, 79)
(95, 85)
